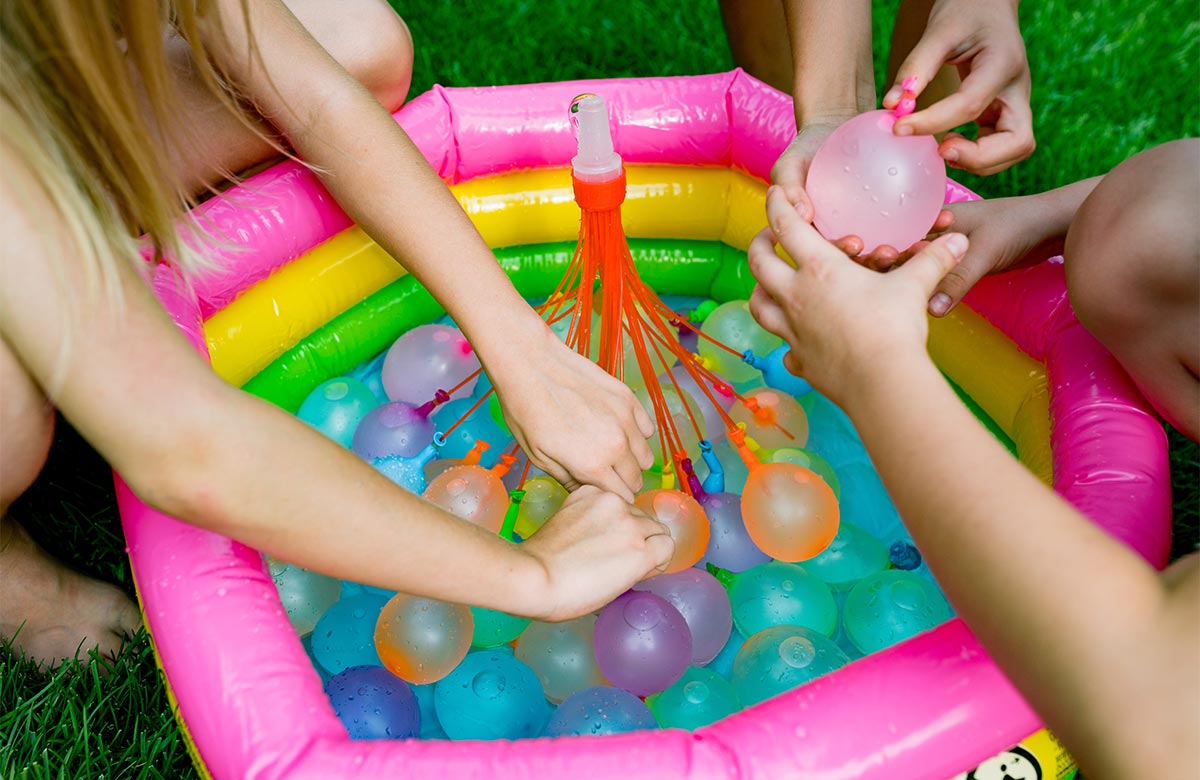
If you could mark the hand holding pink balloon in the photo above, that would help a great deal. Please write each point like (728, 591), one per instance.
(867, 181)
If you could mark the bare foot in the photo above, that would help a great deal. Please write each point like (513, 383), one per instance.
(52, 614)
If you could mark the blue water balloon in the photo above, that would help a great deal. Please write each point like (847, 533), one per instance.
(336, 407)
(490, 695)
(345, 634)
(478, 425)
(775, 374)
(600, 710)
(781, 658)
(697, 699)
(723, 663)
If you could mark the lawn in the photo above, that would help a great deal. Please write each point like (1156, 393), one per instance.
(1110, 79)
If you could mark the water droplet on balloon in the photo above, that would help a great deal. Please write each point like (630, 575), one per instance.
(797, 652)
(874, 198)
(695, 692)
(892, 171)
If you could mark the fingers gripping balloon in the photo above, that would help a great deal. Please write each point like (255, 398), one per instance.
(867, 181)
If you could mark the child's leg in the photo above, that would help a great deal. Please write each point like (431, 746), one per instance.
(758, 37)
(1133, 272)
(365, 36)
(53, 611)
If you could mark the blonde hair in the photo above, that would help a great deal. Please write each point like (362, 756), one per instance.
(90, 109)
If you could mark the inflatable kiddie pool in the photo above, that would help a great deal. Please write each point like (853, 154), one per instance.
(304, 296)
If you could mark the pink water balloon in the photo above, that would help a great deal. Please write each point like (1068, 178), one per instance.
(867, 181)
(427, 359)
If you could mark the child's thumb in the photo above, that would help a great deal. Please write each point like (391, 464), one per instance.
(929, 266)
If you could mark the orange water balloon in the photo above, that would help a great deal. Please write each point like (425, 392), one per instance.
(684, 518)
(770, 416)
(473, 493)
(789, 511)
(421, 640)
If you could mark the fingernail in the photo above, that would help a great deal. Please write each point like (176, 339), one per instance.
(903, 129)
(957, 244)
(939, 304)
(951, 155)
(893, 95)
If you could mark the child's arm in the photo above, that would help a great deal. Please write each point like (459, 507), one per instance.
(1008, 233)
(1102, 646)
(833, 81)
(575, 422)
(982, 38)
(195, 448)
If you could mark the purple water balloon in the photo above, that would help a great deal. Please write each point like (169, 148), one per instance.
(373, 703)
(704, 604)
(642, 643)
(427, 359)
(393, 429)
(729, 545)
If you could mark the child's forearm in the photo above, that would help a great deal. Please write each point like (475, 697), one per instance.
(831, 56)
(389, 188)
(381, 179)
(1053, 212)
(370, 531)
(1079, 623)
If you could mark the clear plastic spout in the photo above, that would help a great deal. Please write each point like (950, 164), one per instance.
(596, 160)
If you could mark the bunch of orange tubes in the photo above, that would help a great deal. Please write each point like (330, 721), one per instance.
(789, 512)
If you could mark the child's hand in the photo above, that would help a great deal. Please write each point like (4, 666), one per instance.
(790, 171)
(593, 549)
(576, 422)
(842, 321)
(983, 39)
(1005, 234)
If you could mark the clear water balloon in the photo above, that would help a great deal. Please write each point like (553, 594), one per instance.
(562, 655)
(425, 360)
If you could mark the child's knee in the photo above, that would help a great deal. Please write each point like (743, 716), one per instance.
(1133, 250)
(368, 39)
(27, 423)
(387, 54)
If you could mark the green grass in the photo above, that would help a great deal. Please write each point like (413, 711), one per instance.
(1110, 79)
